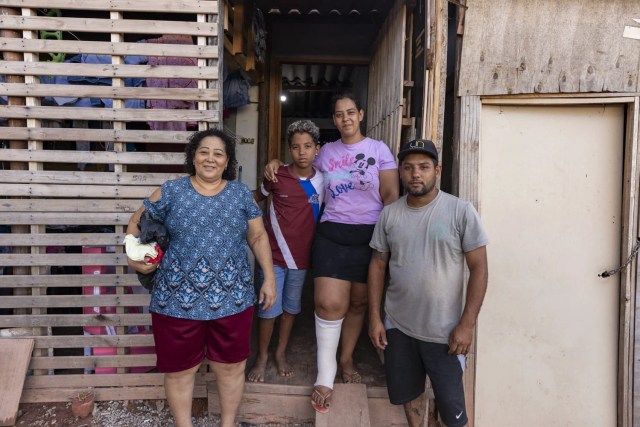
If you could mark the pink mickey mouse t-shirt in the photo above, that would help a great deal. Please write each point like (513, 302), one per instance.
(352, 180)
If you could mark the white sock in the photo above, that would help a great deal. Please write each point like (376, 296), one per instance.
(327, 337)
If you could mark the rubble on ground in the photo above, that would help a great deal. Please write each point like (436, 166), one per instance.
(120, 413)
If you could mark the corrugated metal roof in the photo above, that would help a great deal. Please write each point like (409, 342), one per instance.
(310, 87)
(316, 76)
(324, 7)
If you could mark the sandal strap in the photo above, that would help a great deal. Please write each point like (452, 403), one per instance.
(321, 399)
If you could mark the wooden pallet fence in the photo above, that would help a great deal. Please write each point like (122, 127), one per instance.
(100, 99)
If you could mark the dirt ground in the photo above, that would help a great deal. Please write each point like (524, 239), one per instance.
(138, 413)
(131, 413)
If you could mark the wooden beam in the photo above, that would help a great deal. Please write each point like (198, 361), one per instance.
(44, 320)
(67, 280)
(82, 134)
(77, 177)
(16, 144)
(67, 381)
(64, 394)
(101, 157)
(109, 114)
(106, 48)
(237, 30)
(107, 70)
(629, 276)
(559, 99)
(101, 361)
(59, 301)
(64, 258)
(469, 143)
(438, 73)
(64, 239)
(93, 25)
(80, 341)
(52, 190)
(109, 92)
(161, 6)
(468, 173)
(274, 150)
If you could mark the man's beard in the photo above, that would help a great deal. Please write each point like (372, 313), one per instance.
(426, 189)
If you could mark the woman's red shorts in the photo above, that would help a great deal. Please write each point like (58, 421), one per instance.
(182, 344)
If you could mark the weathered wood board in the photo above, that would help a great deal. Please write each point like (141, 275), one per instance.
(545, 46)
(349, 407)
(269, 403)
(353, 405)
(14, 361)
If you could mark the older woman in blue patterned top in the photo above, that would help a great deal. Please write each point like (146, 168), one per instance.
(203, 300)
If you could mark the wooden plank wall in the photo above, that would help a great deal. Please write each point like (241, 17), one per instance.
(386, 77)
(547, 46)
(71, 176)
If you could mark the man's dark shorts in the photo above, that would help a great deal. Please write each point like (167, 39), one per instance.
(407, 362)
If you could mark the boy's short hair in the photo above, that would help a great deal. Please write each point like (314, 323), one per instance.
(303, 126)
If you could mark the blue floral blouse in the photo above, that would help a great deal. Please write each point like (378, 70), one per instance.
(205, 274)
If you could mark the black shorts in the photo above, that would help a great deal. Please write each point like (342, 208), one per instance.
(341, 251)
(407, 361)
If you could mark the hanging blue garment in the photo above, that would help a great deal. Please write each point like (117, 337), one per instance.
(63, 100)
(235, 90)
(102, 81)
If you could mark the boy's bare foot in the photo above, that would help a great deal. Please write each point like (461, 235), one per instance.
(284, 369)
(256, 374)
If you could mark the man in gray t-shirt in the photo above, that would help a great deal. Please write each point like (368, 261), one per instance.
(425, 238)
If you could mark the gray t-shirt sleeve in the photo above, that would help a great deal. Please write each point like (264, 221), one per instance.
(379, 238)
(472, 231)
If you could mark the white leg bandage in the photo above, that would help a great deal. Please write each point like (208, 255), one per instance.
(328, 337)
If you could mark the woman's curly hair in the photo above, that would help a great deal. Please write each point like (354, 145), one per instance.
(229, 147)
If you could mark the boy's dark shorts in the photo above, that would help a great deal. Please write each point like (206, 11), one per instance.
(407, 361)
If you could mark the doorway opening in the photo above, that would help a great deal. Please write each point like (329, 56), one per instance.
(307, 90)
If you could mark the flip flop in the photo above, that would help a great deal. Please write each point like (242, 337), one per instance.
(353, 378)
(322, 408)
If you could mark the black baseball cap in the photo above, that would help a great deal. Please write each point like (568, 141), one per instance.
(423, 146)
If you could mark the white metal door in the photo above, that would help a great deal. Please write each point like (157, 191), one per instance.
(551, 200)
